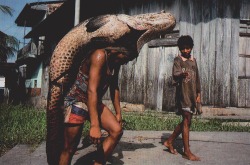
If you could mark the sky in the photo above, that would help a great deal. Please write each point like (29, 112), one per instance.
(7, 22)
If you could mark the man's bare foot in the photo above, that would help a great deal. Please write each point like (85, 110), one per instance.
(191, 156)
(170, 147)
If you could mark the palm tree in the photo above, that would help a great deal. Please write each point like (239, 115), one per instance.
(6, 9)
(8, 43)
(8, 46)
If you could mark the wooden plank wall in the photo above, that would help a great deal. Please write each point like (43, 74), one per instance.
(148, 79)
(215, 31)
(244, 59)
(144, 81)
(244, 73)
(214, 26)
(154, 65)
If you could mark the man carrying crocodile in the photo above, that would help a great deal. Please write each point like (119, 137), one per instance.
(101, 45)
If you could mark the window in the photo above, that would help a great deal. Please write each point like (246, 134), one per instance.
(168, 40)
(35, 83)
(244, 50)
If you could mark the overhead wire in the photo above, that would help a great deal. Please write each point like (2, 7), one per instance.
(11, 26)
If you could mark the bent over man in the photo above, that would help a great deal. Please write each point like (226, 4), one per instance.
(84, 101)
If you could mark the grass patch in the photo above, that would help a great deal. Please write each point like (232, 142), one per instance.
(165, 121)
(149, 121)
(21, 124)
(27, 125)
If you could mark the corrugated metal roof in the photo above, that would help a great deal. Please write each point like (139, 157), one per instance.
(54, 21)
(33, 13)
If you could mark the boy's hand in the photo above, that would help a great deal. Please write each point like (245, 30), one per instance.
(95, 134)
(184, 74)
(198, 105)
(198, 99)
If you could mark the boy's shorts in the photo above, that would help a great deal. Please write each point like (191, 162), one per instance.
(190, 110)
(76, 113)
(180, 110)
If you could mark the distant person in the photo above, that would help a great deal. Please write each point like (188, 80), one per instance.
(84, 102)
(188, 94)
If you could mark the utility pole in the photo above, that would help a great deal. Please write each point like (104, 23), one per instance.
(77, 12)
(24, 32)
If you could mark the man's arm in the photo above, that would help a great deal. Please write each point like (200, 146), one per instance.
(115, 94)
(97, 60)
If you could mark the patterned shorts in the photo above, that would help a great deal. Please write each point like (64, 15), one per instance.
(76, 113)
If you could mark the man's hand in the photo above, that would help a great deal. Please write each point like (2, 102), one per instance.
(119, 118)
(95, 134)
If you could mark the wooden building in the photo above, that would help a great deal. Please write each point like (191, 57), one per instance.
(10, 90)
(33, 58)
(220, 29)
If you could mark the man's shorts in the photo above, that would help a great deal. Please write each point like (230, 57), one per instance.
(76, 113)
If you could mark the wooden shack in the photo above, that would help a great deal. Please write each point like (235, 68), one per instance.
(220, 29)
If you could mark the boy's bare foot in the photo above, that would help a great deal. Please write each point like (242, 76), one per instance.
(191, 156)
(170, 147)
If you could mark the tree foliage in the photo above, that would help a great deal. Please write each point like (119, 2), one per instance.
(6, 9)
(8, 46)
(8, 43)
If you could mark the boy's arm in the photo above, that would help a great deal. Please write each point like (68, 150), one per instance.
(97, 61)
(198, 84)
(115, 94)
(177, 72)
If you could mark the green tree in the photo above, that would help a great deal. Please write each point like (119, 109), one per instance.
(8, 43)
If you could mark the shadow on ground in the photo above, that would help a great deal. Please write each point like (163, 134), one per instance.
(178, 144)
(117, 155)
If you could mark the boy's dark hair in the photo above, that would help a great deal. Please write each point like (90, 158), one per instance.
(185, 41)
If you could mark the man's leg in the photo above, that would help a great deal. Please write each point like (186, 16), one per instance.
(72, 135)
(112, 126)
(187, 116)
